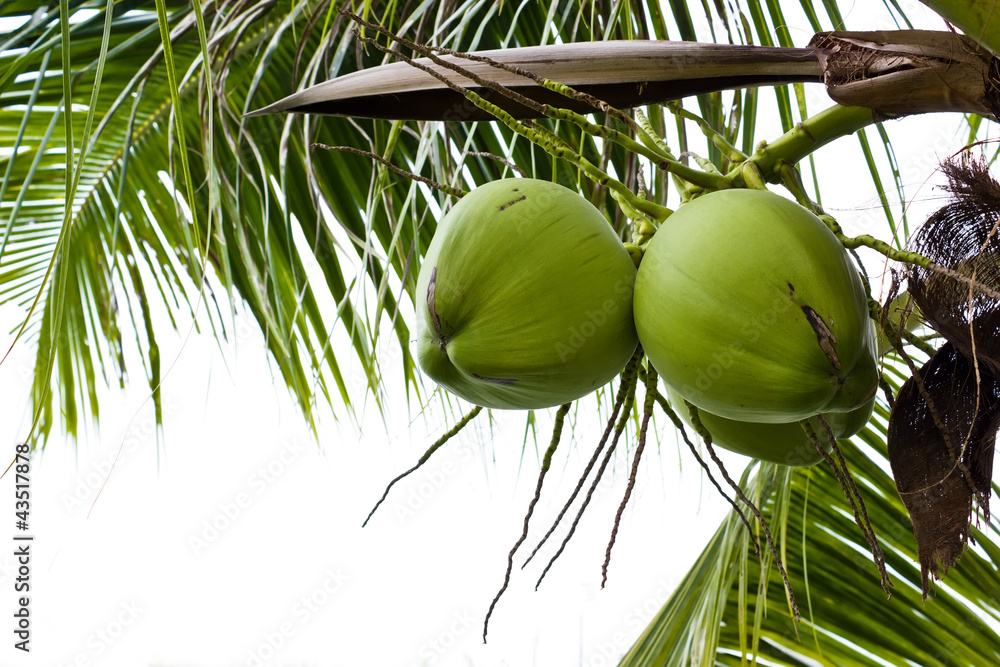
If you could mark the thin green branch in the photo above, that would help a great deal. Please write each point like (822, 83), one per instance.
(807, 136)
(728, 151)
(447, 189)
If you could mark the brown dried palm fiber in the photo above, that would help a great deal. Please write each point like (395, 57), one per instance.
(938, 473)
(962, 236)
(942, 430)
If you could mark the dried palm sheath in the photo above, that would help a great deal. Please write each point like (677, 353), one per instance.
(895, 73)
(942, 432)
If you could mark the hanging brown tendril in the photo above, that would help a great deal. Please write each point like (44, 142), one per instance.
(619, 429)
(647, 412)
(423, 459)
(557, 428)
(840, 471)
(627, 385)
(707, 437)
(679, 425)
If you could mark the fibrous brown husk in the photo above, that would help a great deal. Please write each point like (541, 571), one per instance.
(941, 438)
(942, 430)
(963, 304)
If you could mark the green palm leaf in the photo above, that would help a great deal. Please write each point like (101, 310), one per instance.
(846, 617)
(316, 245)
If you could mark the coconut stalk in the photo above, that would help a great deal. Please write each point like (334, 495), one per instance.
(893, 73)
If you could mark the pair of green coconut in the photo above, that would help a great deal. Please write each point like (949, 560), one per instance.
(745, 303)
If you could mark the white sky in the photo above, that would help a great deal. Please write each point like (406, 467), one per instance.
(284, 574)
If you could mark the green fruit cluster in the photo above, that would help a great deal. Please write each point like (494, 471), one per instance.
(745, 303)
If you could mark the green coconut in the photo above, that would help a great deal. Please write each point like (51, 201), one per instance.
(787, 443)
(902, 311)
(524, 299)
(750, 308)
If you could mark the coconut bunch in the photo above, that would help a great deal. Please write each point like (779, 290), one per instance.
(742, 313)
(745, 303)
(525, 298)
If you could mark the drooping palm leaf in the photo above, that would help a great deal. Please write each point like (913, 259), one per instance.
(262, 194)
(846, 618)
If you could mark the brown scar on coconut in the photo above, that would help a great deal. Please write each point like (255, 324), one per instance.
(824, 335)
(512, 202)
(432, 309)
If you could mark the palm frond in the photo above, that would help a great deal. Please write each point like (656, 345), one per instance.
(320, 247)
(978, 19)
(847, 619)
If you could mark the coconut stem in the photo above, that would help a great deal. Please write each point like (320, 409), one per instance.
(807, 136)
(557, 428)
(792, 180)
(752, 176)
